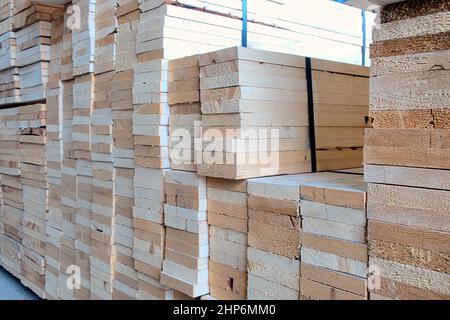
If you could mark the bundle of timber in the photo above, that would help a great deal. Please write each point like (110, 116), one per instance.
(273, 238)
(340, 101)
(334, 259)
(256, 101)
(307, 237)
(186, 27)
(89, 179)
(33, 167)
(83, 38)
(185, 266)
(25, 30)
(24, 194)
(151, 114)
(103, 224)
(149, 231)
(227, 219)
(126, 283)
(11, 238)
(32, 27)
(256, 107)
(407, 153)
(9, 74)
(54, 150)
(184, 102)
(9, 86)
(7, 36)
(69, 185)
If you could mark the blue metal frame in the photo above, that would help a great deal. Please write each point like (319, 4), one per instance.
(364, 37)
(244, 24)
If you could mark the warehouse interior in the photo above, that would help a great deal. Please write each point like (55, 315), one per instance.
(224, 150)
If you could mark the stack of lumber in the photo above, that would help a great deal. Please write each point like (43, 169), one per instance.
(307, 237)
(33, 55)
(105, 35)
(151, 114)
(11, 238)
(262, 96)
(69, 181)
(407, 155)
(66, 55)
(25, 49)
(234, 96)
(151, 111)
(95, 281)
(185, 112)
(24, 194)
(98, 192)
(227, 219)
(185, 266)
(273, 238)
(125, 285)
(68, 193)
(102, 229)
(150, 134)
(9, 85)
(9, 74)
(83, 38)
(7, 36)
(186, 27)
(334, 257)
(149, 231)
(32, 26)
(54, 150)
(33, 167)
(170, 30)
(340, 102)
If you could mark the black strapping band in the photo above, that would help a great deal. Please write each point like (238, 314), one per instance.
(311, 122)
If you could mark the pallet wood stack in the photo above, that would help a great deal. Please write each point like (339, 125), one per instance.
(407, 152)
(185, 111)
(228, 229)
(334, 259)
(185, 266)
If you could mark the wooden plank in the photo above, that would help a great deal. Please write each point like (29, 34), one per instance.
(425, 148)
(407, 176)
(342, 281)
(414, 207)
